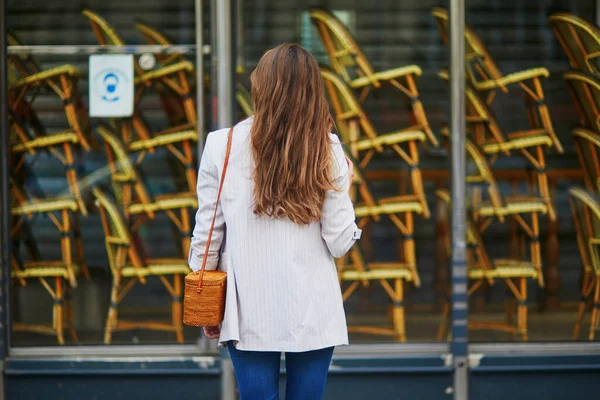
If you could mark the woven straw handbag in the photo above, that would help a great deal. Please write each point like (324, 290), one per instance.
(204, 295)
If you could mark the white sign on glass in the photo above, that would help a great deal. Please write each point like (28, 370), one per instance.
(111, 85)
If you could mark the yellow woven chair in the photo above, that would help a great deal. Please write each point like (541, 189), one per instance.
(585, 206)
(485, 76)
(62, 80)
(350, 63)
(580, 40)
(63, 212)
(355, 269)
(585, 91)
(481, 269)
(176, 78)
(134, 198)
(154, 37)
(359, 134)
(530, 143)
(128, 267)
(587, 144)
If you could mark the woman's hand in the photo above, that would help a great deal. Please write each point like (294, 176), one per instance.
(212, 332)
(350, 171)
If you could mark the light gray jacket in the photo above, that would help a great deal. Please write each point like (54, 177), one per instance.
(283, 292)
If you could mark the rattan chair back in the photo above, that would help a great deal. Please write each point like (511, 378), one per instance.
(585, 206)
(587, 144)
(580, 40)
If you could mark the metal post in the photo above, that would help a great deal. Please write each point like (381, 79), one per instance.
(200, 74)
(459, 345)
(225, 67)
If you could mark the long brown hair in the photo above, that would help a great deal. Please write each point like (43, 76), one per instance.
(290, 136)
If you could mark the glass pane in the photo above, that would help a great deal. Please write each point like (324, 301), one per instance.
(91, 229)
(379, 63)
(525, 265)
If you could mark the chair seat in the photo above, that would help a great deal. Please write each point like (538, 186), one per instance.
(515, 77)
(514, 205)
(390, 139)
(505, 268)
(164, 139)
(386, 75)
(520, 140)
(165, 71)
(388, 208)
(42, 142)
(375, 274)
(158, 267)
(42, 76)
(45, 269)
(166, 202)
(45, 205)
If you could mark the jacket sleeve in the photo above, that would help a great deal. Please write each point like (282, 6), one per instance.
(207, 188)
(338, 228)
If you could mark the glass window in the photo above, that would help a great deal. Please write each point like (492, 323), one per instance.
(98, 254)
(524, 163)
(379, 64)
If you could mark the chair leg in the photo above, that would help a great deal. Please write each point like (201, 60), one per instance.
(71, 111)
(111, 320)
(595, 323)
(398, 313)
(58, 310)
(79, 256)
(69, 314)
(419, 111)
(586, 289)
(443, 327)
(176, 308)
(522, 309)
(190, 169)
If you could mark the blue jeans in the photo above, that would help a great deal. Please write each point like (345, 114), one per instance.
(257, 373)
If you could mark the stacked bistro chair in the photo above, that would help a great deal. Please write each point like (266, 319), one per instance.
(129, 266)
(363, 140)
(485, 77)
(61, 81)
(585, 206)
(529, 143)
(155, 37)
(482, 269)
(580, 40)
(64, 214)
(359, 271)
(174, 77)
(134, 198)
(350, 63)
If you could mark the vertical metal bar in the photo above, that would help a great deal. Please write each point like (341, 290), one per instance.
(225, 67)
(5, 239)
(200, 74)
(459, 344)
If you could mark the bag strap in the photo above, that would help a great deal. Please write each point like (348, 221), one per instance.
(212, 225)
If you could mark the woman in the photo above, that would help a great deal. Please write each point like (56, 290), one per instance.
(284, 214)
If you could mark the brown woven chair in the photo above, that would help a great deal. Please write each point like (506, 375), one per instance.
(585, 91)
(175, 78)
(485, 76)
(585, 206)
(489, 205)
(481, 269)
(64, 213)
(350, 63)
(134, 198)
(530, 143)
(62, 80)
(129, 266)
(587, 144)
(356, 269)
(363, 141)
(580, 40)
